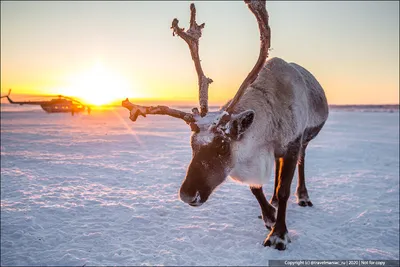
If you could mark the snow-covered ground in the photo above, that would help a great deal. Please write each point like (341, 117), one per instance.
(101, 190)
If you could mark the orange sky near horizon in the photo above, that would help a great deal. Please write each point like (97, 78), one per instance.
(104, 51)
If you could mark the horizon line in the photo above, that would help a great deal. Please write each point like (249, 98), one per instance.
(159, 101)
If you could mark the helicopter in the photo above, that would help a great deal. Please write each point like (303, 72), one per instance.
(62, 104)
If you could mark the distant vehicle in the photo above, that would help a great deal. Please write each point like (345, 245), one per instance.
(62, 104)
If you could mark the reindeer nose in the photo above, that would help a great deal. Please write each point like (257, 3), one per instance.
(193, 200)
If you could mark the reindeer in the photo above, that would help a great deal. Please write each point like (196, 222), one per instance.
(278, 109)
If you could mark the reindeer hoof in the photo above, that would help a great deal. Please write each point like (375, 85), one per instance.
(276, 240)
(305, 203)
(303, 200)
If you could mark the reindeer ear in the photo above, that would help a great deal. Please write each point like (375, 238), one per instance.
(240, 123)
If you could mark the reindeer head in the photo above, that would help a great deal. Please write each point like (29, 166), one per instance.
(216, 136)
(212, 153)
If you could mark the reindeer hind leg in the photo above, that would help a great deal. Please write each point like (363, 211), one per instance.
(301, 191)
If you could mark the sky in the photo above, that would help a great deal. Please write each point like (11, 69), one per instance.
(101, 51)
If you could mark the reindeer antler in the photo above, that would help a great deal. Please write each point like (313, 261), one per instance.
(136, 110)
(192, 37)
(258, 8)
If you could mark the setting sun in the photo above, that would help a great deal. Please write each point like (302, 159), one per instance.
(98, 86)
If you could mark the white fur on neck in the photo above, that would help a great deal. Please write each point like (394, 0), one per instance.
(252, 165)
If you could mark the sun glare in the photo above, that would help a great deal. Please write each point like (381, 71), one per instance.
(98, 86)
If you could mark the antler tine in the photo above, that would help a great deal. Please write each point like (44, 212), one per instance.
(192, 37)
(136, 110)
(258, 8)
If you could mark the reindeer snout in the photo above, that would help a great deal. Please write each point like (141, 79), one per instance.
(193, 200)
(189, 194)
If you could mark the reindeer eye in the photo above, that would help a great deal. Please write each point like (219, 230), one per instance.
(222, 147)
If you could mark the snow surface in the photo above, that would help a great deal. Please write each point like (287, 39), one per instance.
(100, 190)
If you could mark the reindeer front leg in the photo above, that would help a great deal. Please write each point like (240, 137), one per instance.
(274, 198)
(279, 236)
(267, 210)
